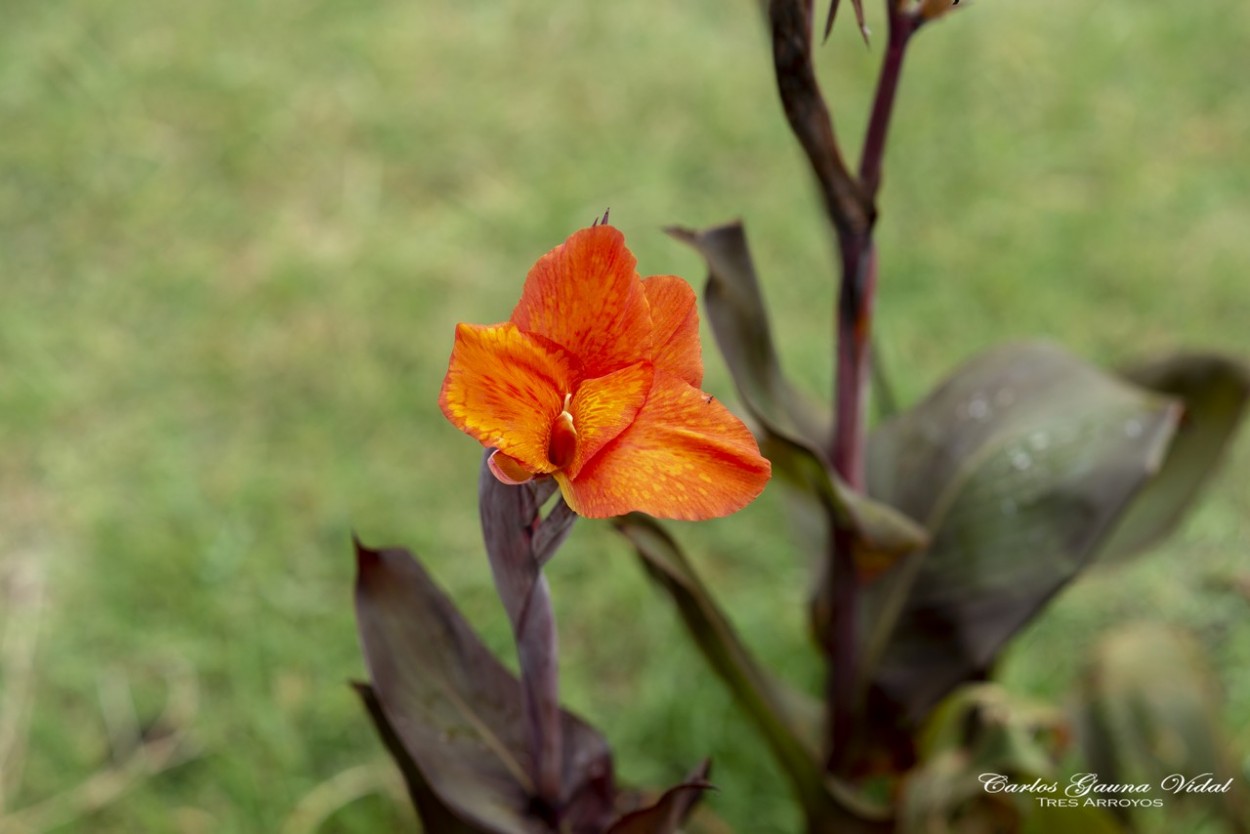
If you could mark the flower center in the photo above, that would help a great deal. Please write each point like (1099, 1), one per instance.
(563, 443)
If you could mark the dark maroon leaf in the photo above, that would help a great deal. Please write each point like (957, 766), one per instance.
(795, 430)
(435, 816)
(458, 712)
(1020, 464)
(670, 810)
(555, 528)
(1214, 391)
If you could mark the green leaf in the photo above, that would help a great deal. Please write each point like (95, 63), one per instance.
(945, 796)
(1149, 707)
(782, 717)
(1214, 391)
(998, 731)
(457, 711)
(980, 729)
(1019, 464)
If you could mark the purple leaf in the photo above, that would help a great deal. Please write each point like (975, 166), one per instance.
(435, 816)
(458, 712)
(795, 431)
(1020, 464)
(1214, 391)
(670, 810)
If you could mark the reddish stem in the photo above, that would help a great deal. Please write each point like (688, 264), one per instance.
(850, 203)
(902, 27)
(859, 270)
(855, 308)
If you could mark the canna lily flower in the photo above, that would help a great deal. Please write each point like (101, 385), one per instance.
(595, 381)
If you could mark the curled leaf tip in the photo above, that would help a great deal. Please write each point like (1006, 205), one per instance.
(508, 470)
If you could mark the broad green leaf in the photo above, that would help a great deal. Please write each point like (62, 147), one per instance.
(1019, 464)
(779, 714)
(796, 432)
(1149, 708)
(457, 711)
(980, 729)
(1214, 391)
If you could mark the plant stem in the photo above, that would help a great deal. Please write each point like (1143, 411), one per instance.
(859, 271)
(854, 370)
(511, 525)
(809, 118)
(902, 26)
(540, 687)
(850, 202)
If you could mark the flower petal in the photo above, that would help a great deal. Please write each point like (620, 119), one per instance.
(604, 407)
(685, 456)
(504, 388)
(674, 328)
(585, 295)
(508, 470)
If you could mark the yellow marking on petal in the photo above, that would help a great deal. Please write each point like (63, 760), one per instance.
(680, 458)
(504, 388)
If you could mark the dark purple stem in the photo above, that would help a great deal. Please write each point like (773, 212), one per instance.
(855, 308)
(859, 268)
(851, 204)
(902, 26)
(537, 653)
(809, 118)
(518, 540)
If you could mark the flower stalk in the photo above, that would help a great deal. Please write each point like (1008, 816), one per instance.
(850, 202)
(513, 529)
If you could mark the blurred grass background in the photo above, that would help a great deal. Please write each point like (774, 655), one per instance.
(235, 239)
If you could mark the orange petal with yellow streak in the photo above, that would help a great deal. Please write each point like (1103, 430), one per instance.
(685, 457)
(585, 295)
(604, 407)
(674, 328)
(504, 388)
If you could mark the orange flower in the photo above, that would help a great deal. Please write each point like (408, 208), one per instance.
(595, 381)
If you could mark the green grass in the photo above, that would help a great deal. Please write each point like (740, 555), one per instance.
(235, 239)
